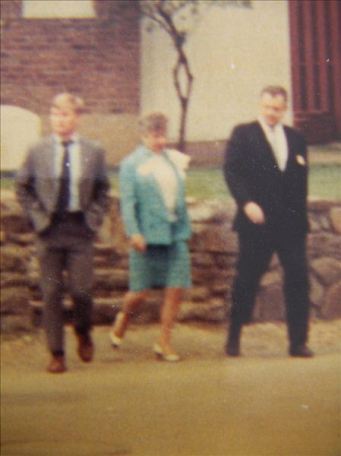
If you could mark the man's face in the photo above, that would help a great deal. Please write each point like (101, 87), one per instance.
(155, 140)
(272, 108)
(64, 120)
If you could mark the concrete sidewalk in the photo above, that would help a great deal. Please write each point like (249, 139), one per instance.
(127, 403)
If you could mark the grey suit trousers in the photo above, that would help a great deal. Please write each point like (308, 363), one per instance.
(65, 251)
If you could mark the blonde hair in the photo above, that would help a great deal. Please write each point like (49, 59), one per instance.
(153, 122)
(68, 100)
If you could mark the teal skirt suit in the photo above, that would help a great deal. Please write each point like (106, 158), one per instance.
(166, 261)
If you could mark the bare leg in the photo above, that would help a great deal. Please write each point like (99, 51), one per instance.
(169, 311)
(131, 302)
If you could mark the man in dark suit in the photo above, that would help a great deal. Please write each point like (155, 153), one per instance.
(266, 170)
(63, 188)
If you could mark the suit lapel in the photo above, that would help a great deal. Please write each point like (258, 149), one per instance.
(85, 158)
(265, 148)
(291, 147)
(86, 172)
(48, 171)
(48, 159)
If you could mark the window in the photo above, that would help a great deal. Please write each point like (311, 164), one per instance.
(49, 9)
(313, 57)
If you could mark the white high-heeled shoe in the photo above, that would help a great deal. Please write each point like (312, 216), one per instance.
(171, 357)
(116, 341)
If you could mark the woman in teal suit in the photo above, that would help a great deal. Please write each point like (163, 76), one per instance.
(155, 217)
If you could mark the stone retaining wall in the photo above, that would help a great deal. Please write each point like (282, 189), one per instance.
(213, 250)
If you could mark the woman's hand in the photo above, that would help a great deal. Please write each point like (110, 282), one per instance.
(254, 213)
(137, 242)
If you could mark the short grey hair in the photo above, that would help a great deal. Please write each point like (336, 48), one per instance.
(153, 122)
(274, 91)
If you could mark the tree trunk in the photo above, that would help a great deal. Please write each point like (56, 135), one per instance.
(183, 96)
(183, 124)
(166, 21)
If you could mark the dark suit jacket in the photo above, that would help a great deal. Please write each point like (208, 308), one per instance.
(38, 188)
(252, 174)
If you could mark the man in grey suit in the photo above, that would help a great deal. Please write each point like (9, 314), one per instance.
(63, 188)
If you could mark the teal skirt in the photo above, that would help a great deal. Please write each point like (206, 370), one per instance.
(160, 267)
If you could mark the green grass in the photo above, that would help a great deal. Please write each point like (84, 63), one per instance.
(7, 183)
(207, 184)
(324, 182)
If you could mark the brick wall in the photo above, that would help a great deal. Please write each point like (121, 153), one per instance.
(97, 59)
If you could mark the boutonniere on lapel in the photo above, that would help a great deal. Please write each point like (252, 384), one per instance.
(301, 160)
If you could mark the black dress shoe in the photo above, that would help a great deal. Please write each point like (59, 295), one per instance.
(232, 350)
(233, 341)
(301, 351)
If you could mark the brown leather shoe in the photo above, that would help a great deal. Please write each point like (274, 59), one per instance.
(56, 365)
(85, 347)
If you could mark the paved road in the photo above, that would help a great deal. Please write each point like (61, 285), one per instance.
(126, 403)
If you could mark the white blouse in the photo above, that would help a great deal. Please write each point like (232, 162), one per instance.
(165, 175)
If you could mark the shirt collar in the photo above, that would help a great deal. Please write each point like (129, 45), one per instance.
(151, 153)
(74, 138)
(267, 128)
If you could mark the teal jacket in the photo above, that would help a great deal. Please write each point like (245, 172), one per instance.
(142, 207)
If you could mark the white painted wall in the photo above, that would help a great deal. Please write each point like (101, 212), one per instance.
(19, 129)
(234, 52)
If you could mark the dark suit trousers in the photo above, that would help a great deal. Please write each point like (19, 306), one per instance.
(255, 253)
(66, 251)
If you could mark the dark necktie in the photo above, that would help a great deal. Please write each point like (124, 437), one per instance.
(64, 189)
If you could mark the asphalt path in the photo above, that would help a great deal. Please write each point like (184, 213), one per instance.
(127, 403)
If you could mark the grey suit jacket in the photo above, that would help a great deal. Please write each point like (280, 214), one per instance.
(37, 186)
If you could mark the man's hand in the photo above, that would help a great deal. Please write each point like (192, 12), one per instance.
(138, 242)
(254, 213)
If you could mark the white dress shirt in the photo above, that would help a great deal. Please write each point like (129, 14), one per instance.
(278, 141)
(75, 168)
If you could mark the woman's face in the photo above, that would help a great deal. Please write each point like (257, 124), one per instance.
(155, 140)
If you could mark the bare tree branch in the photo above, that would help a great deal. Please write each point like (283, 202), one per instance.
(174, 17)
